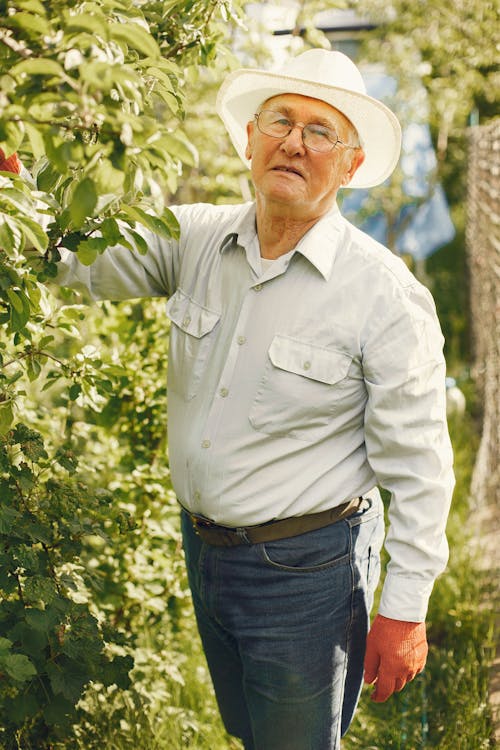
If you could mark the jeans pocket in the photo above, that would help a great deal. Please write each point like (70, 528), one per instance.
(312, 551)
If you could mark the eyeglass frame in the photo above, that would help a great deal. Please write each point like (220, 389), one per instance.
(302, 127)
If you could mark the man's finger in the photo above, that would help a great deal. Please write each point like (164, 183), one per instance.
(400, 683)
(372, 662)
(384, 688)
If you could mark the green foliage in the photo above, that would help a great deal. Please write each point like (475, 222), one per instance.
(92, 96)
(52, 642)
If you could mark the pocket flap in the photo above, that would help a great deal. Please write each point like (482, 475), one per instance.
(309, 360)
(190, 316)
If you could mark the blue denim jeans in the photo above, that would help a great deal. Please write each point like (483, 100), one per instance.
(283, 626)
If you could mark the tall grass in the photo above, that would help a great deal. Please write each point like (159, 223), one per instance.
(446, 707)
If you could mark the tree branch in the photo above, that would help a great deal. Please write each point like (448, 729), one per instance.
(8, 40)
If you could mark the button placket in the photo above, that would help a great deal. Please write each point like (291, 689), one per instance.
(223, 388)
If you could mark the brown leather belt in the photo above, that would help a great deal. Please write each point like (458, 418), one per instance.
(225, 536)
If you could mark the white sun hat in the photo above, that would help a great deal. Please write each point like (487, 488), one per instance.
(321, 74)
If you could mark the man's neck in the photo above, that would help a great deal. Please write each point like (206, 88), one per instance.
(279, 233)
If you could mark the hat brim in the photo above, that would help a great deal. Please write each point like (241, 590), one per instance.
(378, 128)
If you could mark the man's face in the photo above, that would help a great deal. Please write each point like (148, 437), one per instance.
(290, 178)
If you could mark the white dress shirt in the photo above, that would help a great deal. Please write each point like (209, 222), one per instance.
(297, 385)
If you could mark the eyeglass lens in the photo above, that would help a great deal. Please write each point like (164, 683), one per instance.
(314, 136)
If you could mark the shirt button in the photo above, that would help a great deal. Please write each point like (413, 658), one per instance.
(307, 365)
(241, 340)
(186, 321)
(257, 288)
(224, 392)
(206, 444)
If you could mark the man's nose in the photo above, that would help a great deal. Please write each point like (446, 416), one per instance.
(293, 143)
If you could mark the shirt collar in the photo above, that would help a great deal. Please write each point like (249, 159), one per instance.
(244, 235)
(319, 245)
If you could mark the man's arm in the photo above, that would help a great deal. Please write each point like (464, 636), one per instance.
(409, 450)
(119, 273)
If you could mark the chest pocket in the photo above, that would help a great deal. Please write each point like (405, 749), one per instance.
(191, 339)
(302, 388)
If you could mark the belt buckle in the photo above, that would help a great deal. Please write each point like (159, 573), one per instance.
(242, 534)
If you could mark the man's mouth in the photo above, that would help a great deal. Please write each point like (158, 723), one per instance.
(290, 170)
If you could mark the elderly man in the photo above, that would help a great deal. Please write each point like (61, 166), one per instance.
(305, 368)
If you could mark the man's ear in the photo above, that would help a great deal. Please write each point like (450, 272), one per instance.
(356, 161)
(249, 146)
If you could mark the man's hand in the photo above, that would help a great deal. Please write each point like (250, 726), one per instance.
(12, 164)
(396, 651)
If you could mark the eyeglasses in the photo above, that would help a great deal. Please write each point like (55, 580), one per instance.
(315, 137)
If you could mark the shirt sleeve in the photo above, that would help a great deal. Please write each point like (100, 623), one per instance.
(408, 446)
(120, 273)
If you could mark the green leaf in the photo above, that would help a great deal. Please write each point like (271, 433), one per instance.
(139, 242)
(33, 369)
(33, 6)
(68, 678)
(34, 233)
(23, 706)
(6, 416)
(30, 641)
(41, 619)
(63, 154)
(36, 140)
(17, 666)
(8, 517)
(156, 225)
(108, 179)
(97, 75)
(111, 231)
(8, 583)
(74, 391)
(88, 250)
(7, 236)
(87, 22)
(67, 459)
(20, 309)
(39, 589)
(59, 712)
(13, 134)
(83, 202)
(15, 300)
(177, 146)
(169, 218)
(136, 37)
(31, 442)
(47, 177)
(5, 646)
(116, 672)
(45, 340)
(37, 66)
(32, 24)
